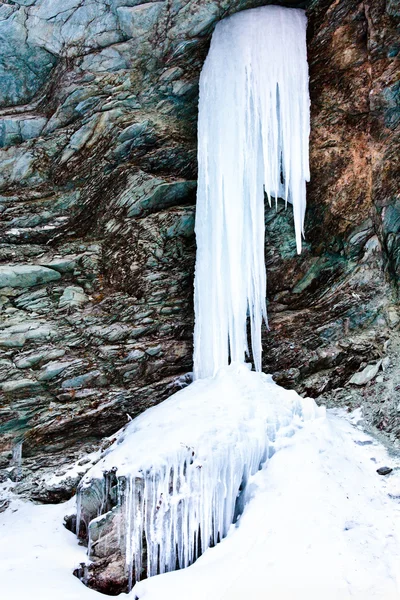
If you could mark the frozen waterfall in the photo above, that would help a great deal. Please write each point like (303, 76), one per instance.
(176, 480)
(253, 138)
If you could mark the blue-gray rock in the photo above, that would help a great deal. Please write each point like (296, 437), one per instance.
(93, 378)
(24, 66)
(65, 264)
(53, 369)
(73, 296)
(17, 130)
(138, 21)
(108, 60)
(32, 359)
(75, 27)
(24, 276)
(21, 386)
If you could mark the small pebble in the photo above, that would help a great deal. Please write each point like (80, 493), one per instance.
(384, 470)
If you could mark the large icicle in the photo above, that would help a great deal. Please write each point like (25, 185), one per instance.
(253, 136)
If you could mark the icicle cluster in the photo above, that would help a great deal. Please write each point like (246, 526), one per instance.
(253, 135)
(175, 481)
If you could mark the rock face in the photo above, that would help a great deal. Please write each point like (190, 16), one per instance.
(98, 114)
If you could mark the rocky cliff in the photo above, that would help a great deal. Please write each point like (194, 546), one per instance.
(98, 110)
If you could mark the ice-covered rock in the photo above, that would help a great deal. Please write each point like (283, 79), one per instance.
(173, 482)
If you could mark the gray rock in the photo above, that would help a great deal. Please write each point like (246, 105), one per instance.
(14, 130)
(138, 21)
(75, 28)
(77, 101)
(95, 378)
(133, 131)
(32, 359)
(171, 74)
(112, 333)
(53, 369)
(32, 127)
(41, 333)
(10, 133)
(19, 81)
(37, 301)
(384, 470)
(90, 133)
(109, 59)
(15, 336)
(154, 351)
(21, 386)
(65, 264)
(73, 296)
(6, 369)
(393, 316)
(109, 352)
(145, 194)
(182, 88)
(18, 167)
(24, 276)
(134, 355)
(10, 340)
(366, 374)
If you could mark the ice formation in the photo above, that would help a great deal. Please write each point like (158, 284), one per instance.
(253, 135)
(180, 468)
(174, 482)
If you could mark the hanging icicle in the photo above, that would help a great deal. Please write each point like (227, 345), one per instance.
(253, 137)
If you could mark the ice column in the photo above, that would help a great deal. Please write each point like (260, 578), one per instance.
(253, 135)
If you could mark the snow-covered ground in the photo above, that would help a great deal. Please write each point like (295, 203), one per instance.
(320, 523)
(38, 555)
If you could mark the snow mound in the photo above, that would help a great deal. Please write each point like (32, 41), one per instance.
(177, 476)
(320, 523)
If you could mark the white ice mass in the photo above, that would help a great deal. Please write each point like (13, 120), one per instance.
(253, 136)
(183, 466)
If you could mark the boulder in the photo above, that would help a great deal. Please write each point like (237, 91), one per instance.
(25, 276)
(366, 375)
(73, 296)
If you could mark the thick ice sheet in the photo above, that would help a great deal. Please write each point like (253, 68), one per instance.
(253, 132)
(320, 525)
(185, 462)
